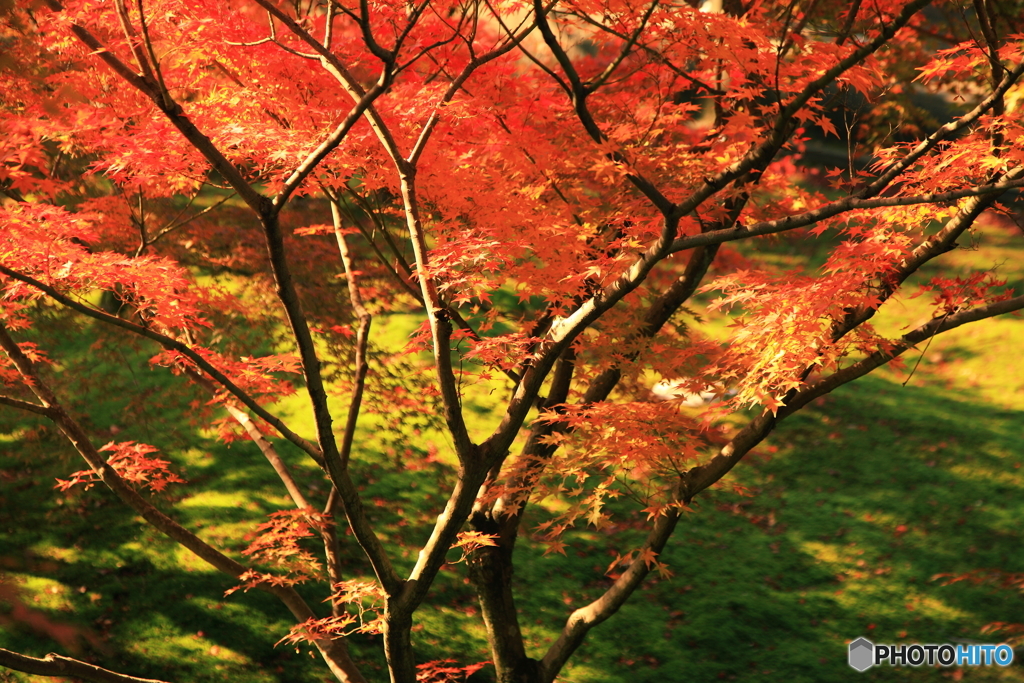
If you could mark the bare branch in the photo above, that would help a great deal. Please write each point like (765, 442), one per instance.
(179, 223)
(27, 406)
(154, 62)
(407, 278)
(272, 38)
(254, 433)
(58, 665)
(317, 392)
(403, 281)
(329, 24)
(105, 472)
(328, 532)
(413, 19)
(172, 344)
(585, 618)
(362, 335)
(287, 294)
(440, 324)
(449, 522)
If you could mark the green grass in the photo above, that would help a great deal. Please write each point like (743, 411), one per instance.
(858, 502)
(866, 499)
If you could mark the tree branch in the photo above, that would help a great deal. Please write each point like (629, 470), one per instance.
(328, 532)
(769, 148)
(314, 158)
(581, 621)
(443, 535)
(172, 344)
(254, 433)
(404, 282)
(585, 618)
(375, 48)
(267, 211)
(491, 567)
(440, 324)
(133, 40)
(178, 222)
(431, 299)
(317, 392)
(702, 476)
(337, 469)
(562, 335)
(851, 16)
(1009, 78)
(362, 336)
(174, 114)
(630, 42)
(335, 653)
(832, 209)
(157, 75)
(26, 406)
(710, 89)
(513, 41)
(593, 308)
(58, 665)
(578, 96)
(941, 242)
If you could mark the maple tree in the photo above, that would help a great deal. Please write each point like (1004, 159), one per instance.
(553, 185)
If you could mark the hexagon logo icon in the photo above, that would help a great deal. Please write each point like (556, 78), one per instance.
(862, 654)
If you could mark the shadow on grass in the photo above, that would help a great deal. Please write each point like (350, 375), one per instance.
(864, 499)
(145, 605)
(867, 497)
(142, 604)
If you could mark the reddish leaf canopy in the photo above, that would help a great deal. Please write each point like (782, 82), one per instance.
(549, 186)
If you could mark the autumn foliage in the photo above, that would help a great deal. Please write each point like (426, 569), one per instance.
(562, 191)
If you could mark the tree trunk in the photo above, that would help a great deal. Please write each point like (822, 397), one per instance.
(491, 573)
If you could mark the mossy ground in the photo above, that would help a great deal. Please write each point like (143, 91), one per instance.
(858, 503)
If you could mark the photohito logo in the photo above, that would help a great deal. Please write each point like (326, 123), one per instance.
(864, 654)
